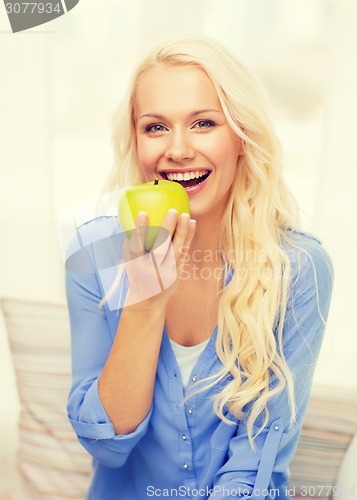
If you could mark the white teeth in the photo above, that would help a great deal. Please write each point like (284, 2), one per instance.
(185, 176)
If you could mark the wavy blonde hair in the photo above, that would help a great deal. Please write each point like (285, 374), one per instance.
(259, 216)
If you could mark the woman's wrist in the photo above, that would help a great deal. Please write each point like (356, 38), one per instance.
(154, 307)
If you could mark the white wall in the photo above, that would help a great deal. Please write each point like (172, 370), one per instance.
(335, 209)
(58, 91)
(29, 250)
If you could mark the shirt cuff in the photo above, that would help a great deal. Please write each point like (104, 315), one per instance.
(93, 421)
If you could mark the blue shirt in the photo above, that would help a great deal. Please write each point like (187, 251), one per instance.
(182, 449)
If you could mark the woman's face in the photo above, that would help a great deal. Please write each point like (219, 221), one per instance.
(183, 135)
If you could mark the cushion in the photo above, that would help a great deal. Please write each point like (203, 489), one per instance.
(329, 427)
(50, 460)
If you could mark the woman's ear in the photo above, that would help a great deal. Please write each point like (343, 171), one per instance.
(241, 146)
(241, 141)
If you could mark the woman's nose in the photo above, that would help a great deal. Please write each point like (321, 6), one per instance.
(180, 148)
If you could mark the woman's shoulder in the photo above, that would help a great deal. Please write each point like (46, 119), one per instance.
(303, 237)
(308, 257)
(99, 227)
(298, 243)
(98, 236)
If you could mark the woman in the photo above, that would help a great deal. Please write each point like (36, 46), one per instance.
(200, 390)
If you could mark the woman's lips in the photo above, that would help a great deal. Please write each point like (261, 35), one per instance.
(192, 185)
(193, 190)
(186, 175)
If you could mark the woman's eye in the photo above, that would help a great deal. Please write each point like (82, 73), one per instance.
(205, 124)
(155, 127)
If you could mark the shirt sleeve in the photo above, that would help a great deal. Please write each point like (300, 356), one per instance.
(91, 340)
(248, 474)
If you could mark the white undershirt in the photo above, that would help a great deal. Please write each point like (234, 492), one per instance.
(187, 358)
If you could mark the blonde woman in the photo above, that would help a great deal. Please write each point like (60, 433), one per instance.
(200, 390)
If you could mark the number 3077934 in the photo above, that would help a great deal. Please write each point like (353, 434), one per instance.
(33, 8)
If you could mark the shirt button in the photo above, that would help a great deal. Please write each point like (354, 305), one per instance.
(190, 411)
(194, 378)
(185, 466)
(276, 427)
(184, 437)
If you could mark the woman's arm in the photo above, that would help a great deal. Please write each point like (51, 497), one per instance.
(113, 378)
(126, 384)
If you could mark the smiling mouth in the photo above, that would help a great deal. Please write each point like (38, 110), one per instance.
(187, 179)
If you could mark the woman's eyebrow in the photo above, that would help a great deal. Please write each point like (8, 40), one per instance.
(194, 113)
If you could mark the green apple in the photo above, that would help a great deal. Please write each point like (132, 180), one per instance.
(155, 198)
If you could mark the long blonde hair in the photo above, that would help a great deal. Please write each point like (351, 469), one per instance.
(259, 216)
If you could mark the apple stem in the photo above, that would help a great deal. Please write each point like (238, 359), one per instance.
(156, 182)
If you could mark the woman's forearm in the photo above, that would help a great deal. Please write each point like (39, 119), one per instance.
(126, 384)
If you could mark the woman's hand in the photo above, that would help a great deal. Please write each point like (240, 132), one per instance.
(153, 276)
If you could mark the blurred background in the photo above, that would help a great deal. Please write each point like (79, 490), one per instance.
(61, 81)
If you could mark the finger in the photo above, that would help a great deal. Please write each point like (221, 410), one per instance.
(183, 255)
(136, 244)
(184, 229)
(141, 227)
(164, 237)
(190, 234)
(173, 235)
(181, 232)
(170, 260)
(170, 221)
